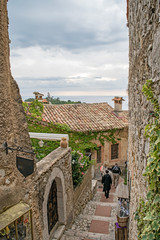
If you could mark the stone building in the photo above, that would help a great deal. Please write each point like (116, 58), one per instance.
(95, 117)
(43, 197)
(144, 63)
(13, 127)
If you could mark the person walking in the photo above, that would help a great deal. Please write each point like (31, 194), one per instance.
(107, 182)
(116, 172)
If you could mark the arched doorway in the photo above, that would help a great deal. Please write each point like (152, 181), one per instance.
(52, 209)
(54, 200)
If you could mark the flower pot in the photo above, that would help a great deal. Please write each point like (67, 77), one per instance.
(63, 142)
(122, 221)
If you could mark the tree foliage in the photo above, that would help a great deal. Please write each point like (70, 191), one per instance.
(57, 100)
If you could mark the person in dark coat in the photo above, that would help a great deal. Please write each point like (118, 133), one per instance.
(107, 182)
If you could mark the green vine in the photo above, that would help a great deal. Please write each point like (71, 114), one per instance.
(148, 212)
(78, 141)
(35, 109)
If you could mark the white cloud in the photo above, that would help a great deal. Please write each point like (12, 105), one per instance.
(69, 46)
(36, 62)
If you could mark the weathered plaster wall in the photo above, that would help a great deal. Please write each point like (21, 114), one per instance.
(144, 63)
(13, 126)
(122, 134)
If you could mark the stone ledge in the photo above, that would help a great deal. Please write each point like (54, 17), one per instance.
(51, 159)
(94, 184)
(59, 232)
(94, 187)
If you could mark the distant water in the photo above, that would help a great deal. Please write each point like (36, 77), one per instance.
(95, 99)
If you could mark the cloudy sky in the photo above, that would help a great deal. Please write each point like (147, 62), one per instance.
(69, 47)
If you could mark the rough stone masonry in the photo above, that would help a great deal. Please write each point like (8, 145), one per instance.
(13, 126)
(144, 63)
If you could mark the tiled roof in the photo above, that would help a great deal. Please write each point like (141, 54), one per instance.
(83, 117)
(44, 101)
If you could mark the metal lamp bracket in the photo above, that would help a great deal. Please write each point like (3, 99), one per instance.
(6, 147)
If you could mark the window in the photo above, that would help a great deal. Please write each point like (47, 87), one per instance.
(99, 155)
(114, 151)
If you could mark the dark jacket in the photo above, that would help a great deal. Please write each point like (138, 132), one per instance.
(107, 181)
(116, 169)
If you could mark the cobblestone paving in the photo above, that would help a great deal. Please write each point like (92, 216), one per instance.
(80, 229)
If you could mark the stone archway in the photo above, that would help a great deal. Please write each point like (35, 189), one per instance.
(57, 177)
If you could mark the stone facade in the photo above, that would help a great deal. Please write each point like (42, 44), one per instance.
(144, 62)
(106, 158)
(13, 126)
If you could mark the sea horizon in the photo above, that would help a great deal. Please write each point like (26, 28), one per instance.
(95, 99)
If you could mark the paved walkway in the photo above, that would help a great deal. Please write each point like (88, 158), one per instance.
(97, 220)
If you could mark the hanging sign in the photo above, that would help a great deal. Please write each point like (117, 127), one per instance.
(25, 166)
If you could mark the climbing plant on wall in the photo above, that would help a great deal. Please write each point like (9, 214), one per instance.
(148, 212)
(78, 141)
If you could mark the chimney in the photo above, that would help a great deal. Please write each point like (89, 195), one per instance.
(118, 103)
(38, 96)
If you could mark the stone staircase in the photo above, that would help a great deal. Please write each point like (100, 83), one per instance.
(97, 220)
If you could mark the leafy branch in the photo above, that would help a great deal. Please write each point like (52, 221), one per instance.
(148, 212)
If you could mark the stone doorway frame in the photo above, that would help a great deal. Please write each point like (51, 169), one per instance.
(58, 176)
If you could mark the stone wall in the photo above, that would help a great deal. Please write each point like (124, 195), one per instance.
(55, 166)
(83, 193)
(144, 62)
(13, 126)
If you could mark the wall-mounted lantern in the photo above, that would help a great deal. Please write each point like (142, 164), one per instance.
(41, 143)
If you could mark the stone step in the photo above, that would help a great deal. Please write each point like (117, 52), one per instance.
(82, 235)
(59, 232)
(103, 203)
(90, 217)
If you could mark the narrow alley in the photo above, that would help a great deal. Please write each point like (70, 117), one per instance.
(97, 221)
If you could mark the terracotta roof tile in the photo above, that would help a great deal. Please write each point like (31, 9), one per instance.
(83, 117)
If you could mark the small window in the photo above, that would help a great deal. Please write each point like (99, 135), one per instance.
(114, 151)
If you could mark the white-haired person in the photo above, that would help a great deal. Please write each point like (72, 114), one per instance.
(116, 172)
